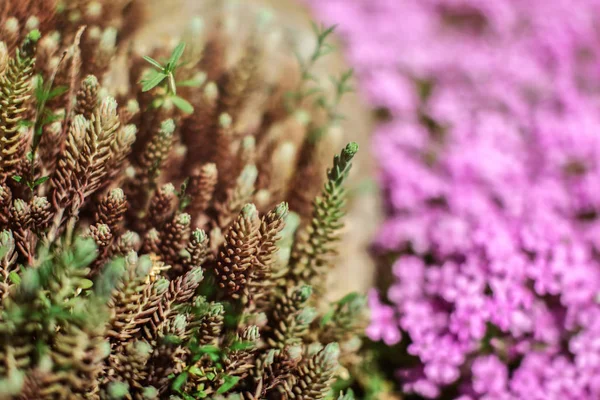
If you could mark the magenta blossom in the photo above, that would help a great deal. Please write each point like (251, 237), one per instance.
(490, 165)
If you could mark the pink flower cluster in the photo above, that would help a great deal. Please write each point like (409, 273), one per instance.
(490, 164)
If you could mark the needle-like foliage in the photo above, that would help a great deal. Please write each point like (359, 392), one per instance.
(144, 250)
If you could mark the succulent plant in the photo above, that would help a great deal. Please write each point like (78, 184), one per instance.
(147, 249)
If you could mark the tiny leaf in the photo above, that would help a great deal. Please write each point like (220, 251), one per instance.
(14, 277)
(327, 318)
(86, 284)
(153, 80)
(230, 382)
(41, 180)
(180, 381)
(153, 62)
(26, 123)
(241, 346)
(176, 55)
(190, 83)
(183, 104)
(57, 91)
(17, 178)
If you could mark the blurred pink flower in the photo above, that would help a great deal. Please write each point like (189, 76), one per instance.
(490, 166)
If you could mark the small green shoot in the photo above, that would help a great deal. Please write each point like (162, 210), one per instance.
(166, 73)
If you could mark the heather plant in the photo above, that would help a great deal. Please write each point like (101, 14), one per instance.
(489, 154)
(147, 248)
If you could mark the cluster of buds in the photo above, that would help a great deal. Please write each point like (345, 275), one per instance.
(148, 247)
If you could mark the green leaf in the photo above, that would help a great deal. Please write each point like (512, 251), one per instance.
(50, 117)
(241, 346)
(26, 123)
(153, 80)
(209, 350)
(41, 180)
(17, 178)
(327, 318)
(348, 298)
(190, 83)
(158, 102)
(195, 371)
(183, 104)
(153, 62)
(14, 277)
(230, 382)
(179, 381)
(172, 339)
(175, 56)
(40, 91)
(326, 49)
(57, 91)
(86, 284)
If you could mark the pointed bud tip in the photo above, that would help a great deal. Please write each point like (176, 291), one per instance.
(142, 348)
(249, 142)
(144, 264)
(211, 91)
(196, 24)
(294, 353)
(150, 393)
(282, 210)
(216, 309)
(184, 219)
(129, 133)
(6, 237)
(19, 205)
(34, 35)
(331, 353)
(351, 149)
(306, 316)
(249, 175)
(199, 235)
(117, 194)
(108, 40)
(133, 106)
(161, 285)
(40, 202)
(305, 291)
(249, 211)
(168, 188)
(109, 106)
(168, 127)
(209, 168)
(11, 25)
(252, 333)
(91, 81)
(130, 238)
(180, 322)
(118, 390)
(225, 120)
(94, 9)
(103, 229)
(196, 275)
